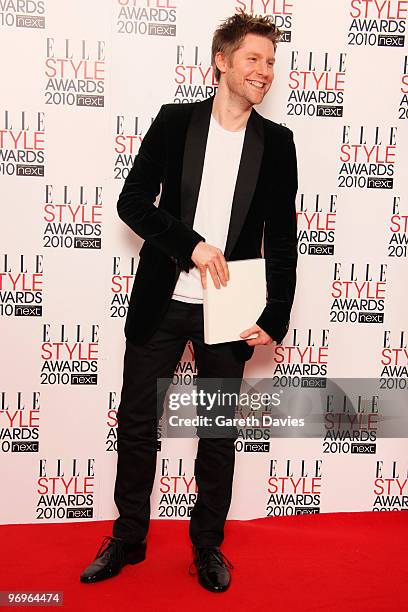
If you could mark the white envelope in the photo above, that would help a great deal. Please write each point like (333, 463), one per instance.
(230, 310)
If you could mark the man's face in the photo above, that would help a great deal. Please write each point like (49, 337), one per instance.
(249, 71)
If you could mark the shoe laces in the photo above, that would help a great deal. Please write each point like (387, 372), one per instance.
(110, 545)
(207, 555)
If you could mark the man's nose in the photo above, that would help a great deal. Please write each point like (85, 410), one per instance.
(262, 69)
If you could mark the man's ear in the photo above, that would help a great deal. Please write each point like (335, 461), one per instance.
(220, 61)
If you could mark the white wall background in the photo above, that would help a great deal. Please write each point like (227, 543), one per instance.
(58, 461)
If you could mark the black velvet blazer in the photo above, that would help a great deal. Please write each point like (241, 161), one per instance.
(171, 157)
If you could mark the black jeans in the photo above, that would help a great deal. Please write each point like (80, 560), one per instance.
(137, 428)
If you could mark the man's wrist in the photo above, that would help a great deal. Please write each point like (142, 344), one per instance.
(186, 263)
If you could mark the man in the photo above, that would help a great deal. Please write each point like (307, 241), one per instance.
(229, 179)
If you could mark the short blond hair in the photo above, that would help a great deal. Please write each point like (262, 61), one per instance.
(230, 34)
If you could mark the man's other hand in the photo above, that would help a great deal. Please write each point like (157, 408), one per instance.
(205, 256)
(262, 337)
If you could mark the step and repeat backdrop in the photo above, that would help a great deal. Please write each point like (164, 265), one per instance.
(81, 83)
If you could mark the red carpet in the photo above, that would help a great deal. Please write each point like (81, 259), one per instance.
(330, 562)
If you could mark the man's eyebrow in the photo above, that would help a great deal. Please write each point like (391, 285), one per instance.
(270, 59)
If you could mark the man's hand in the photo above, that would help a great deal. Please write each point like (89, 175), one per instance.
(205, 256)
(262, 338)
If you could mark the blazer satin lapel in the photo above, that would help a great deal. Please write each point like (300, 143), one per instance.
(251, 157)
(193, 160)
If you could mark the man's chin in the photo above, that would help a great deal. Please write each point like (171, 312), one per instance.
(255, 100)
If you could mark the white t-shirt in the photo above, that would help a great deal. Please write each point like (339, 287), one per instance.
(213, 212)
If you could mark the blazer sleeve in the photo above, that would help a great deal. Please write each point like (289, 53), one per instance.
(280, 247)
(136, 201)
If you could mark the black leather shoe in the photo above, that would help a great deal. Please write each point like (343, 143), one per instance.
(212, 568)
(112, 555)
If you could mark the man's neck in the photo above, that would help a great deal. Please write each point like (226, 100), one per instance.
(231, 112)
